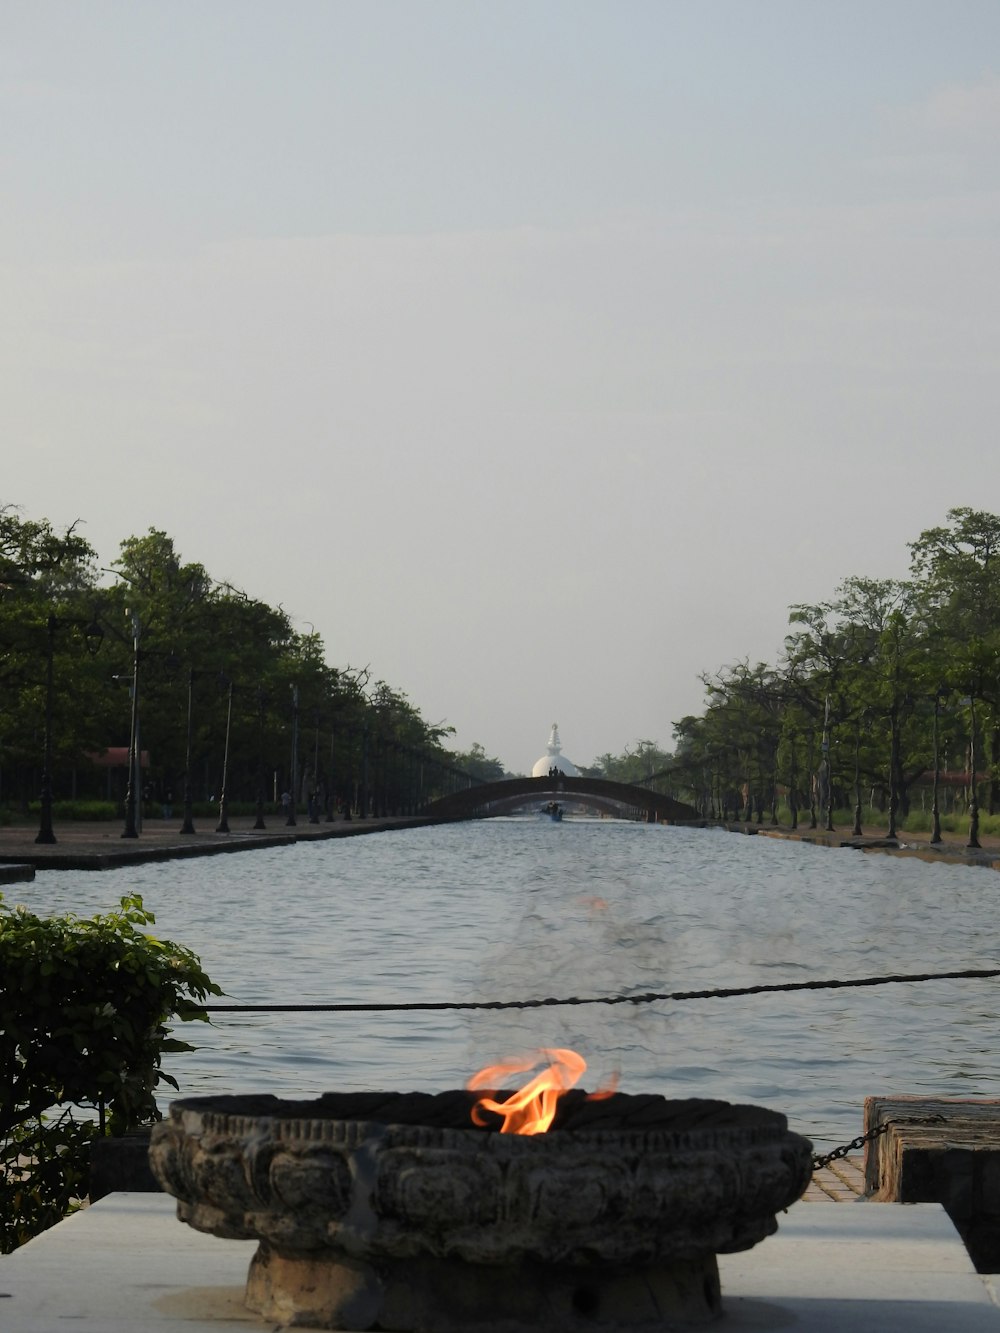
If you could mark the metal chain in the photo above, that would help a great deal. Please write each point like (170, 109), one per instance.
(872, 1134)
(650, 997)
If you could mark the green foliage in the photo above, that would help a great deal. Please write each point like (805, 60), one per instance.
(481, 765)
(79, 810)
(877, 686)
(84, 1012)
(42, 573)
(225, 683)
(44, 1168)
(631, 766)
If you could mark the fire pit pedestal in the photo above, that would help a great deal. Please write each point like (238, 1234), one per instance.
(382, 1210)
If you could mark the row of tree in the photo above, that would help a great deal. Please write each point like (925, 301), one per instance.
(891, 684)
(212, 692)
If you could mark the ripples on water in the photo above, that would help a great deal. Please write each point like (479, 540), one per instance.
(516, 909)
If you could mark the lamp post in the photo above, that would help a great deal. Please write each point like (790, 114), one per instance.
(330, 792)
(46, 833)
(856, 831)
(973, 792)
(188, 825)
(793, 800)
(290, 821)
(314, 796)
(825, 747)
(132, 792)
(935, 803)
(363, 802)
(94, 637)
(349, 777)
(223, 824)
(259, 821)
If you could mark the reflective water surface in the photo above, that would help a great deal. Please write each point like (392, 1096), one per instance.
(515, 909)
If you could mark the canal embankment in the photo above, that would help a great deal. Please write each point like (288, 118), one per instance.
(951, 850)
(99, 845)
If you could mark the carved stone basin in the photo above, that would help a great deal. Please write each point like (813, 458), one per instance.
(392, 1211)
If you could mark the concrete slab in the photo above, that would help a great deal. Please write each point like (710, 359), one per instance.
(126, 1264)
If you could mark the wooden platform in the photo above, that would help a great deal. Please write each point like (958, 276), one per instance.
(941, 1150)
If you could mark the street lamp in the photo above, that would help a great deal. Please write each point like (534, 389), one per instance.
(825, 748)
(857, 830)
(261, 699)
(132, 791)
(93, 637)
(973, 786)
(935, 802)
(223, 824)
(188, 825)
(314, 795)
(290, 821)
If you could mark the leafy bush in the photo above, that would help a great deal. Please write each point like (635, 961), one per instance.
(98, 810)
(84, 1009)
(69, 810)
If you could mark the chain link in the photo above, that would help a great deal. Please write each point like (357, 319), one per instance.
(872, 1134)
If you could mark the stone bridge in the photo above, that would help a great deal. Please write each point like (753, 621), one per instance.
(620, 799)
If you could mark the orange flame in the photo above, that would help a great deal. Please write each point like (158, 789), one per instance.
(531, 1109)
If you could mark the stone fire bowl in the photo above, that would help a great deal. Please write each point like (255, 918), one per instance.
(393, 1211)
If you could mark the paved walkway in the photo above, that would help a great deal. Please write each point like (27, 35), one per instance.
(842, 1181)
(128, 1264)
(951, 849)
(99, 845)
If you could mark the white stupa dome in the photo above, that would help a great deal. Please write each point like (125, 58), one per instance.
(553, 758)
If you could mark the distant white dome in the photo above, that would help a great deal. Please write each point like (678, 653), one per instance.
(553, 758)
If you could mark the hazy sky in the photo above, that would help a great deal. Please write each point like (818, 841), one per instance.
(540, 354)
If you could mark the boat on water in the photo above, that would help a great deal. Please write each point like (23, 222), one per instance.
(554, 811)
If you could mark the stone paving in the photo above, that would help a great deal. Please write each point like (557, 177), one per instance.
(842, 1181)
(98, 845)
(952, 848)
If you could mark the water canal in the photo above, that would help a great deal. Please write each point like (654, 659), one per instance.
(520, 909)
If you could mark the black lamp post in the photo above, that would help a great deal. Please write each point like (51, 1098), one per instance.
(132, 791)
(314, 795)
(261, 698)
(188, 825)
(793, 777)
(826, 752)
(856, 831)
(363, 801)
(330, 792)
(223, 824)
(290, 821)
(973, 785)
(349, 777)
(935, 802)
(46, 833)
(94, 637)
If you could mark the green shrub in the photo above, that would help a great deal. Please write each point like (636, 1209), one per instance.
(84, 1009)
(99, 810)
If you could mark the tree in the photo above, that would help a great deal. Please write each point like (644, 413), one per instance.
(958, 566)
(46, 594)
(476, 761)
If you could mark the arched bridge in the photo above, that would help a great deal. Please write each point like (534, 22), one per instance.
(620, 799)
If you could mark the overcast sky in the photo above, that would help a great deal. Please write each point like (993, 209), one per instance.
(539, 354)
